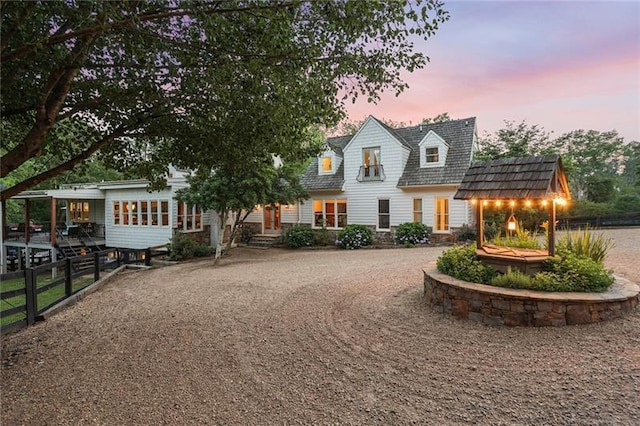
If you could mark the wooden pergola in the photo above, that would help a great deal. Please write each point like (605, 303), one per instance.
(528, 181)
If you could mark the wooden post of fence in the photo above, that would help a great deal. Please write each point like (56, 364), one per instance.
(68, 289)
(31, 295)
(147, 257)
(96, 266)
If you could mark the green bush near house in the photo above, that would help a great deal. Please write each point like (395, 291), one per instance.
(182, 247)
(299, 236)
(322, 237)
(412, 233)
(461, 262)
(465, 233)
(354, 237)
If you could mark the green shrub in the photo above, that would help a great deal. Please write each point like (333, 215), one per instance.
(461, 262)
(322, 237)
(354, 237)
(181, 247)
(523, 238)
(412, 233)
(570, 272)
(513, 279)
(299, 236)
(202, 250)
(465, 233)
(583, 243)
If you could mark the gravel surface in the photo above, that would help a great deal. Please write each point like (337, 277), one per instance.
(312, 337)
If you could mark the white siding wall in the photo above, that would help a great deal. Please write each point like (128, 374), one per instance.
(362, 205)
(289, 213)
(138, 236)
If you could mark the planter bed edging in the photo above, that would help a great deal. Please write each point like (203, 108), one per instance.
(514, 307)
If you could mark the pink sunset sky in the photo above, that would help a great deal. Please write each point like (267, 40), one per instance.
(564, 65)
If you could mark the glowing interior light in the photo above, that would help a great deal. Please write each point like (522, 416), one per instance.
(544, 203)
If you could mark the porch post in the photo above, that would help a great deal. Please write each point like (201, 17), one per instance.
(54, 220)
(479, 224)
(27, 220)
(552, 229)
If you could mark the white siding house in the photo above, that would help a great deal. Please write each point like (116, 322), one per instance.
(382, 177)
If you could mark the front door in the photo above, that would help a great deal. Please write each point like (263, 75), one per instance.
(272, 219)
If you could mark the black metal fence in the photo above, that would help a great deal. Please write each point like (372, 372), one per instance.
(609, 221)
(26, 294)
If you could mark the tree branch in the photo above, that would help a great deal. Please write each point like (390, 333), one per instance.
(67, 165)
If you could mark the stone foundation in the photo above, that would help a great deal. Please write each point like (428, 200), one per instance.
(514, 307)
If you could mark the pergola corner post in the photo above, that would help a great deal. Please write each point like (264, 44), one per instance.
(551, 229)
(479, 224)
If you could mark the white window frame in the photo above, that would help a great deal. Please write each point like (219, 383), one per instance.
(438, 215)
(336, 202)
(134, 209)
(377, 161)
(418, 211)
(388, 214)
(331, 156)
(433, 140)
(190, 212)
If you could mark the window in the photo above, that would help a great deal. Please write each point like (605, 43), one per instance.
(442, 214)
(79, 211)
(116, 212)
(383, 214)
(125, 212)
(164, 213)
(431, 155)
(417, 210)
(330, 213)
(189, 217)
(143, 213)
(326, 163)
(134, 212)
(371, 162)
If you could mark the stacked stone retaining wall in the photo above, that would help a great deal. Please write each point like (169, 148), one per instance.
(513, 307)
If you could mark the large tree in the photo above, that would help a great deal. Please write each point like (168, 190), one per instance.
(515, 140)
(169, 81)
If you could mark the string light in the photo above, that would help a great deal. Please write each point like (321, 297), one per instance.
(527, 203)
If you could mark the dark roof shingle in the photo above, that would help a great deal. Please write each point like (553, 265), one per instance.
(518, 178)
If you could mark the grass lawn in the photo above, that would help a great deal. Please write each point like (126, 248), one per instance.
(45, 299)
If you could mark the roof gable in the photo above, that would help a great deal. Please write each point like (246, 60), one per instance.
(517, 178)
(372, 121)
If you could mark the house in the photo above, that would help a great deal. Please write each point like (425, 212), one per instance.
(120, 214)
(382, 177)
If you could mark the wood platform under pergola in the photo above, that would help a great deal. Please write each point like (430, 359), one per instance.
(537, 180)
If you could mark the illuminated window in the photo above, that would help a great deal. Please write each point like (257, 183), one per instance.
(417, 210)
(144, 213)
(442, 214)
(125, 212)
(189, 217)
(330, 213)
(116, 212)
(79, 211)
(431, 155)
(164, 213)
(371, 162)
(326, 164)
(154, 213)
(383, 214)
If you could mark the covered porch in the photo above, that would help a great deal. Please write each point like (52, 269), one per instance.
(75, 226)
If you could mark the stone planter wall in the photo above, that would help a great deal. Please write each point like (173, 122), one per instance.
(512, 307)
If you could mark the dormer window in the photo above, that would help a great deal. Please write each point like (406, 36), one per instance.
(326, 164)
(433, 150)
(431, 155)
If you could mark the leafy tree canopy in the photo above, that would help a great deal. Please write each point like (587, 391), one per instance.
(199, 84)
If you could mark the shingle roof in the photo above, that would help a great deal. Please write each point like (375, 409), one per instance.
(459, 135)
(519, 178)
(313, 181)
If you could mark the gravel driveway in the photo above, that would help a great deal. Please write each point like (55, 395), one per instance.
(312, 337)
